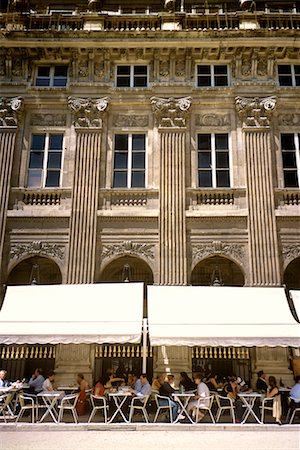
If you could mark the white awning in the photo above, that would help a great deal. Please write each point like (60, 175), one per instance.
(220, 316)
(85, 313)
(296, 301)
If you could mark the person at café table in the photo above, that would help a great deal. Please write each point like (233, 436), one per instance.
(145, 388)
(157, 382)
(48, 383)
(202, 392)
(261, 384)
(3, 381)
(231, 390)
(81, 404)
(186, 382)
(111, 379)
(36, 381)
(166, 390)
(273, 392)
(295, 394)
(99, 388)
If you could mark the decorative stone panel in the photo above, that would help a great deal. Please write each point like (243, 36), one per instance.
(10, 109)
(171, 112)
(200, 251)
(124, 120)
(18, 251)
(128, 247)
(48, 120)
(290, 252)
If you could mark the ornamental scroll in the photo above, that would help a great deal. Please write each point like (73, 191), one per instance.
(171, 112)
(87, 111)
(255, 112)
(10, 109)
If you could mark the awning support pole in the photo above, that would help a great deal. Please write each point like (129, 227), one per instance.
(144, 361)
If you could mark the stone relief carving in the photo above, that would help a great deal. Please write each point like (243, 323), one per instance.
(246, 66)
(291, 252)
(171, 112)
(262, 66)
(87, 111)
(212, 119)
(180, 68)
(99, 70)
(255, 112)
(128, 247)
(37, 247)
(49, 120)
(164, 68)
(123, 120)
(289, 119)
(10, 109)
(200, 251)
(83, 68)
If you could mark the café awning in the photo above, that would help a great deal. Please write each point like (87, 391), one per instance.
(296, 301)
(86, 313)
(220, 316)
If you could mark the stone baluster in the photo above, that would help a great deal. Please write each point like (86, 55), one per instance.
(255, 114)
(10, 109)
(171, 118)
(88, 120)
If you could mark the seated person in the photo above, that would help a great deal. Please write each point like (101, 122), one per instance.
(99, 388)
(202, 392)
(186, 382)
(261, 384)
(112, 379)
(48, 383)
(157, 382)
(3, 381)
(167, 390)
(212, 382)
(36, 381)
(171, 380)
(131, 380)
(145, 387)
(231, 390)
(295, 391)
(81, 404)
(273, 392)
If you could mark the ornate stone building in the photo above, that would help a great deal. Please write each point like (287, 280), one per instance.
(158, 143)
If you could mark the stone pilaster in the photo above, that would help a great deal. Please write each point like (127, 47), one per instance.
(88, 119)
(10, 109)
(171, 118)
(72, 359)
(255, 114)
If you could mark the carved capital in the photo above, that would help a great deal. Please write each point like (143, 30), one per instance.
(255, 112)
(128, 247)
(171, 112)
(88, 112)
(200, 251)
(10, 111)
(18, 251)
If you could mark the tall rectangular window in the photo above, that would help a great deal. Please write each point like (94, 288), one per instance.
(213, 160)
(290, 159)
(129, 161)
(210, 75)
(132, 76)
(289, 74)
(52, 76)
(45, 160)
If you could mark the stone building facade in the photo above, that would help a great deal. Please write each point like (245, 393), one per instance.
(159, 143)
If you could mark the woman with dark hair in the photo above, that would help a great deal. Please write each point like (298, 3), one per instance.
(261, 384)
(212, 382)
(81, 405)
(99, 388)
(186, 382)
(273, 392)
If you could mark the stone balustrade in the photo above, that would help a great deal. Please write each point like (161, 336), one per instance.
(133, 198)
(21, 198)
(287, 197)
(198, 198)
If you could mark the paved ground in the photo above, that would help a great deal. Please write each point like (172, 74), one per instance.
(229, 439)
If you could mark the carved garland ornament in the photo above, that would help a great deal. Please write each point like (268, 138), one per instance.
(255, 112)
(128, 247)
(171, 112)
(10, 109)
(212, 120)
(123, 120)
(290, 252)
(200, 251)
(18, 251)
(87, 111)
(289, 119)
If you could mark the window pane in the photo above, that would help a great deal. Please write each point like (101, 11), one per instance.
(221, 81)
(204, 160)
(43, 71)
(140, 81)
(121, 160)
(59, 82)
(36, 160)
(34, 178)
(205, 178)
(203, 70)
(120, 179)
(38, 142)
(61, 71)
(291, 179)
(204, 81)
(54, 160)
(138, 142)
(204, 142)
(140, 70)
(297, 70)
(222, 160)
(121, 142)
(138, 179)
(297, 80)
(42, 82)
(123, 70)
(285, 80)
(221, 141)
(52, 179)
(123, 82)
(284, 69)
(223, 179)
(218, 70)
(138, 160)
(55, 141)
(289, 160)
(287, 142)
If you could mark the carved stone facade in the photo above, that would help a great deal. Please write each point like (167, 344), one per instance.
(87, 112)
(171, 112)
(20, 251)
(235, 251)
(255, 112)
(128, 248)
(10, 109)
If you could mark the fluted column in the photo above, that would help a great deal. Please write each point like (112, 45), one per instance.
(88, 116)
(255, 114)
(171, 117)
(10, 109)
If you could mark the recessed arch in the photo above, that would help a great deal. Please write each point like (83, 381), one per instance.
(137, 270)
(207, 270)
(39, 269)
(291, 276)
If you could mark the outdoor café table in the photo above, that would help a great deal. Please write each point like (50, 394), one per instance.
(119, 399)
(11, 399)
(68, 389)
(183, 400)
(50, 400)
(248, 399)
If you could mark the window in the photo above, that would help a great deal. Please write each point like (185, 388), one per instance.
(132, 76)
(212, 75)
(290, 159)
(56, 76)
(129, 161)
(45, 160)
(213, 160)
(289, 75)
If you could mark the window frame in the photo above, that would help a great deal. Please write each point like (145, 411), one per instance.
(132, 76)
(51, 76)
(212, 75)
(296, 138)
(46, 151)
(129, 170)
(213, 166)
(292, 75)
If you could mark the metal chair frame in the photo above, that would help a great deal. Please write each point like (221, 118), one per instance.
(221, 408)
(68, 403)
(95, 407)
(139, 403)
(200, 406)
(160, 408)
